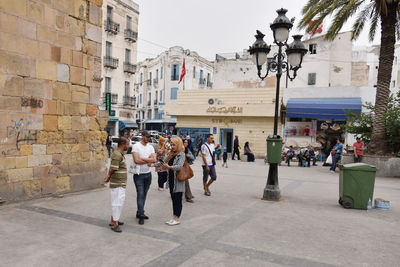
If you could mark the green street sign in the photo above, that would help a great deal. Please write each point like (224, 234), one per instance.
(112, 113)
(108, 101)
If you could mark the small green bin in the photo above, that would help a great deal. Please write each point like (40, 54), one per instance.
(274, 149)
(356, 185)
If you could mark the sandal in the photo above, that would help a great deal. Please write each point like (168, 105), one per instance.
(119, 223)
(116, 229)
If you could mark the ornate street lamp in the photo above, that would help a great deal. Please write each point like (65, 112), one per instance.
(295, 53)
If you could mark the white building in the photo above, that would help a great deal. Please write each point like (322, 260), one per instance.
(157, 84)
(119, 50)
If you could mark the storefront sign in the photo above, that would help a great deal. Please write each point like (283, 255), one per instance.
(225, 110)
(227, 121)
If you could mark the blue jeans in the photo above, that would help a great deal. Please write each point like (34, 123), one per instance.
(358, 159)
(142, 183)
(335, 159)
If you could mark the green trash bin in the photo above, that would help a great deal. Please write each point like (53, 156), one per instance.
(356, 185)
(274, 149)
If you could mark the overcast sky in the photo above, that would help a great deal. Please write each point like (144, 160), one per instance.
(211, 26)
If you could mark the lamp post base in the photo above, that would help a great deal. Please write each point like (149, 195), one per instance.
(271, 190)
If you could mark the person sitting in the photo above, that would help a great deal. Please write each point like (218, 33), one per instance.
(248, 153)
(314, 155)
(289, 155)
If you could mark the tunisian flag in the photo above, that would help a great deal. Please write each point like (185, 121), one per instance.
(183, 73)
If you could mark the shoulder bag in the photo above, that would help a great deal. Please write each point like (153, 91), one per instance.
(212, 155)
(185, 173)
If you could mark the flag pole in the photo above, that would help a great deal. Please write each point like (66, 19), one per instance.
(184, 65)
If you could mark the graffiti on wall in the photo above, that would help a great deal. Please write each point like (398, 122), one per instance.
(18, 131)
(31, 102)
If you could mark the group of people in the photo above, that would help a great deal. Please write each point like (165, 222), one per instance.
(168, 161)
(304, 156)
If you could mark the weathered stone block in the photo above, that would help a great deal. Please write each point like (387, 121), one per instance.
(61, 91)
(79, 123)
(80, 9)
(27, 29)
(97, 2)
(41, 171)
(44, 51)
(62, 73)
(60, 21)
(93, 32)
(92, 110)
(65, 6)
(13, 87)
(63, 183)
(95, 95)
(46, 34)
(10, 42)
(8, 23)
(50, 137)
(38, 149)
(78, 43)
(94, 124)
(77, 75)
(34, 88)
(15, 64)
(46, 70)
(48, 185)
(94, 14)
(57, 149)
(51, 107)
(102, 122)
(21, 162)
(7, 163)
(36, 11)
(86, 181)
(39, 160)
(66, 56)
(79, 148)
(17, 7)
(77, 59)
(17, 175)
(65, 40)
(89, 47)
(80, 97)
(50, 123)
(25, 150)
(49, 15)
(64, 123)
(32, 188)
(56, 53)
(10, 103)
(30, 47)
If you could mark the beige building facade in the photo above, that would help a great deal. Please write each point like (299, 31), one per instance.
(247, 113)
(51, 130)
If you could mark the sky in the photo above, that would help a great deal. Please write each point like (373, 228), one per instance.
(213, 26)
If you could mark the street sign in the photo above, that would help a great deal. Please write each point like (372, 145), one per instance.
(112, 113)
(108, 102)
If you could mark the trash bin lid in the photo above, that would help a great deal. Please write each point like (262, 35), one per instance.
(274, 138)
(358, 167)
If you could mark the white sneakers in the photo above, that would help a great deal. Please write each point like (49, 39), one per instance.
(173, 222)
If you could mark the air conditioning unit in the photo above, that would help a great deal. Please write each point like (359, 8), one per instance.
(213, 101)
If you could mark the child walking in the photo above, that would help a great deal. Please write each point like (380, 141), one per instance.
(225, 158)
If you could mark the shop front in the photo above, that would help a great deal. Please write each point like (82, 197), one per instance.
(247, 113)
(317, 122)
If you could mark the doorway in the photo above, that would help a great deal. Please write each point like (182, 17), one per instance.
(226, 139)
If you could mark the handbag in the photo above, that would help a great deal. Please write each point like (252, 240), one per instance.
(185, 173)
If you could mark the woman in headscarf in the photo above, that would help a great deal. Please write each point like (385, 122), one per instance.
(247, 151)
(161, 171)
(173, 162)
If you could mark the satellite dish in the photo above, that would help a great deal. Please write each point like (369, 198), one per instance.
(211, 101)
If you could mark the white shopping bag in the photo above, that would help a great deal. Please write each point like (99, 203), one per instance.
(133, 168)
(329, 159)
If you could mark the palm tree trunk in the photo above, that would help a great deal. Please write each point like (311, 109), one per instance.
(378, 143)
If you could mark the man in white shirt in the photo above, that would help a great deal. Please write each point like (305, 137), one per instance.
(143, 154)
(207, 150)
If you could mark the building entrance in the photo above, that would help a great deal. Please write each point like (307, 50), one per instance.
(226, 139)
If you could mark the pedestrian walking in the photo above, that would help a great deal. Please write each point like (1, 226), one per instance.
(236, 148)
(143, 155)
(162, 172)
(189, 157)
(199, 145)
(174, 162)
(358, 150)
(225, 158)
(336, 153)
(109, 143)
(207, 151)
(117, 176)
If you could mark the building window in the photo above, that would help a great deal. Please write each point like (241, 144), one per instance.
(156, 74)
(140, 99)
(149, 114)
(393, 84)
(108, 84)
(127, 88)
(208, 79)
(161, 96)
(312, 48)
(156, 98)
(109, 12)
(141, 78)
(174, 93)
(175, 72)
(149, 100)
(108, 49)
(312, 78)
(194, 72)
(161, 72)
(150, 78)
(201, 77)
(127, 55)
(128, 22)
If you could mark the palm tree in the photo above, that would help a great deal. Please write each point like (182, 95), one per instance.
(385, 12)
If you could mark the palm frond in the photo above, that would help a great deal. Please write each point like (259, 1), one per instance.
(315, 8)
(360, 22)
(374, 25)
(381, 7)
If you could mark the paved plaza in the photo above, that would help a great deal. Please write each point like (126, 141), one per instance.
(232, 227)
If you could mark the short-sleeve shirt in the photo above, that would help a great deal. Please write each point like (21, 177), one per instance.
(338, 148)
(144, 152)
(359, 148)
(290, 152)
(205, 151)
(120, 174)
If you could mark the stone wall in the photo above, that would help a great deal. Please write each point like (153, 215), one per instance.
(387, 166)
(51, 130)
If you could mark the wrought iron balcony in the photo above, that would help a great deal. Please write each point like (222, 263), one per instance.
(114, 98)
(111, 26)
(130, 35)
(149, 103)
(148, 82)
(111, 62)
(155, 82)
(129, 68)
(129, 100)
(155, 102)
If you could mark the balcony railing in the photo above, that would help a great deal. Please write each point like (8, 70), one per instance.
(155, 102)
(129, 100)
(114, 98)
(130, 35)
(155, 82)
(149, 103)
(111, 26)
(111, 62)
(129, 68)
(148, 82)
